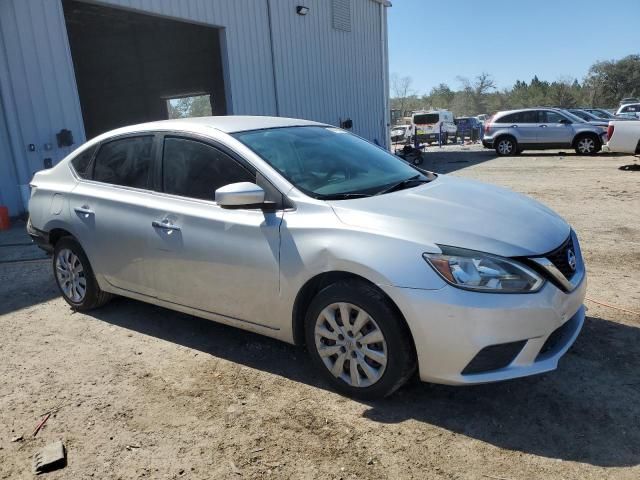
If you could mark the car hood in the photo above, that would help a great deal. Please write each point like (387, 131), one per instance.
(462, 213)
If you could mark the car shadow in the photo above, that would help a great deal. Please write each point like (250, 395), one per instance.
(586, 411)
(565, 153)
(24, 284)
(442, 161)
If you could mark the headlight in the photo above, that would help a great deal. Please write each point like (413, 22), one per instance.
(483, 272)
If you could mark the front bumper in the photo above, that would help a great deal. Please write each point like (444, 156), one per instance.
(450, 327)
(487, 142)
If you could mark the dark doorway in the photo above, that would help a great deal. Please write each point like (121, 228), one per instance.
(129, 65)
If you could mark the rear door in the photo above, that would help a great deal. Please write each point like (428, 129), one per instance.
(555, 129)
(223, 261)
(523, 125)
(110, 211)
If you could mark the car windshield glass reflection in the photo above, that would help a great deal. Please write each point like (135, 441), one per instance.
(328, 163)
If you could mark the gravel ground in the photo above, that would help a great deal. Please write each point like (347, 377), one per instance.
(142, 392)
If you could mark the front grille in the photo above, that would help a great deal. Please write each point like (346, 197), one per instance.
(560, 258)
(494, 357)
(558, 338)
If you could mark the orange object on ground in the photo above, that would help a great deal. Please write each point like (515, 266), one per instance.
(4, 218)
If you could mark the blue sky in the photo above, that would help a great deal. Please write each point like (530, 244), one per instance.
(510, 39)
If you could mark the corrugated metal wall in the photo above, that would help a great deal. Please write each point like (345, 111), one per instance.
(9, 191)
(321, 73)
(37, 85)
(326, 74)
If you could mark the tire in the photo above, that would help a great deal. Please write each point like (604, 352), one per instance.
(381, 367)
(445, 139)
(506, 146)
(68, 254)
(587, 145)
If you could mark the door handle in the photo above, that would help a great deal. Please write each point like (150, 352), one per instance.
(165, 225)
(542, 126)
(84, 210)
(514, 126)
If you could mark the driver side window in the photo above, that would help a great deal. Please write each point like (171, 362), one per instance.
(552, 117)
(196, 170)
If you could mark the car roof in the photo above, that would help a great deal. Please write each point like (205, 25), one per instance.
(227, 124)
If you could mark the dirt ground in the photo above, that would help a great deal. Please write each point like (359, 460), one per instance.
(142, 392)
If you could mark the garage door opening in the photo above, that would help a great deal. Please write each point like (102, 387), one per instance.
(133, 68)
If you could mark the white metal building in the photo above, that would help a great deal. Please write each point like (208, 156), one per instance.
(71, 69)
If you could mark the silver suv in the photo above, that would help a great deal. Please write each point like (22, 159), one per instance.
(513, 131)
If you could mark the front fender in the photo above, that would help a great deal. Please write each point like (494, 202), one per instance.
(311, 248)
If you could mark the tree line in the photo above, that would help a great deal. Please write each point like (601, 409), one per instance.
(605, 84)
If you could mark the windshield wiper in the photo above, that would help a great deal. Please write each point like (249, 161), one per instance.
(403, 184)
(344, 196)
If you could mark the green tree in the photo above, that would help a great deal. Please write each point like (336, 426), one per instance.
(609, 81)
(198, 106)
(440, 97)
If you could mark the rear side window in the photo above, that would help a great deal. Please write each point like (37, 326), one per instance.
(511, 118)
(125, 162)
(82, 163)
(529, 116)
(196, 170)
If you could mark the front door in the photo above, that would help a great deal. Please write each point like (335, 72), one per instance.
(218, 260)
(555, 129)
(109, 211)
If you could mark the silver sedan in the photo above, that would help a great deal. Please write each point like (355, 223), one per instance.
(306, 233)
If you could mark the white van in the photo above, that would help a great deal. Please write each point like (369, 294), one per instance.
(428, 125)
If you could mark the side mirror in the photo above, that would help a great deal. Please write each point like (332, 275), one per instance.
(240, 195)
(565, 121)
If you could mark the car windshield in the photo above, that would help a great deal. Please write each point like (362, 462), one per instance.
(572, 117)
(328, 163)
(583, 115)
(603, 114)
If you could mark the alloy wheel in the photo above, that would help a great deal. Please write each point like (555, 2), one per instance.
(505, 147)
(586, 145)
(70, 274)
(351, 344)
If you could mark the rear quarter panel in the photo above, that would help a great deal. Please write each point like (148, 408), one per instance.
(49, 202)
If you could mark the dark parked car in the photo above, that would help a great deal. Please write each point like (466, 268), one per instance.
(601, 113)
(468, 127)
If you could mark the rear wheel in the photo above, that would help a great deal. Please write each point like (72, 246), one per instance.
(506, 146)
(75, 277)
(358, 341)
(587, 145)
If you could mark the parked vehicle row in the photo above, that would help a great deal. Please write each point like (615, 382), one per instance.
(511, 132)
(437, 125)
(306, 233)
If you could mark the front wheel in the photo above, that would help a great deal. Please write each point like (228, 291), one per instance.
(358, 341)
(588, 145)
(506, 146)
(75, 277)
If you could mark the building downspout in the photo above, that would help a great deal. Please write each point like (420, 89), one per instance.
(385, 76)
(273, 59)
